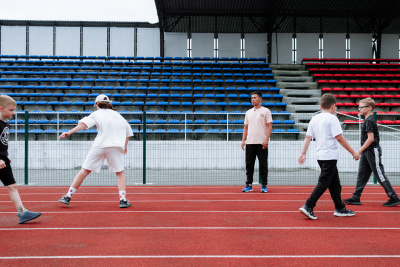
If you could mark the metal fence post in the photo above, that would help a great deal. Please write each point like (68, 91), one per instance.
(144, 147)
(26, 146)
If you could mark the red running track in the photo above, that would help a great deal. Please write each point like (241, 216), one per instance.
(197, 226)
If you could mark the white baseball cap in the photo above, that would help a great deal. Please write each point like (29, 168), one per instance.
(102, 98)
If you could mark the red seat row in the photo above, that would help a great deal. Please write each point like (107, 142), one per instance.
(376, 104)
(353, 70)
(376, 65)
(385, 122)
(360, 89)
(317, 75)
(355, 113)
(365, 96)
(359, 81)
(352, 59)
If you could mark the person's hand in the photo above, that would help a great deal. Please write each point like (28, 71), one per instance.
(356, 156)
(302, 158)
(64, 135)
(2, 164)
(243, 144)
(265, 144)
(125, 151)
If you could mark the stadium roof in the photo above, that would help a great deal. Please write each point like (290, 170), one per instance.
(287, 16)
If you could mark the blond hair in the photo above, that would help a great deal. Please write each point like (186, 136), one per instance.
(5, 100)
(327, 100)
(368, 101)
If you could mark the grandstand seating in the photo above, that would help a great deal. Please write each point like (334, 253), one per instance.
(350, 80)
(206, 94)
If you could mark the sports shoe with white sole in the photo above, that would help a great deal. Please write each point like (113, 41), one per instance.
(248, 188)
(307, 211)
(344, 213)
(264, 189)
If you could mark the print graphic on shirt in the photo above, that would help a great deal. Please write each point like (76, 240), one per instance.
(262, 115)
(4, 136)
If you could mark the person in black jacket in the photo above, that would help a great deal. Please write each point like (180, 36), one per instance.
(370, 160)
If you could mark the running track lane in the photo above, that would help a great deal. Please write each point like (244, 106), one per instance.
(284, 239)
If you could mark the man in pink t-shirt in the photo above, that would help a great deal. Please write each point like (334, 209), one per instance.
(257, 130)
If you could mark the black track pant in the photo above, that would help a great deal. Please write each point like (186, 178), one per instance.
(370, 161)
(329, 178)
(253, 151)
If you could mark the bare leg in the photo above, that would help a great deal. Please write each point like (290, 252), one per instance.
(78, 180)
(121, 181)
(14, 195)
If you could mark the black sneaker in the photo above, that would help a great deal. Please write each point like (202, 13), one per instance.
(352, 201)
(124, 204)
(391, 202)
(344, 213)
(306, 210)
(65, 200)
(27, 216)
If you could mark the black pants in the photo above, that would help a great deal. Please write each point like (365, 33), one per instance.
(370, 161)
(253, 151)
(329, 178)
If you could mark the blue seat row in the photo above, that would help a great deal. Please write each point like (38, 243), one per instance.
(203, 68)
(112, 80)
(134, 58)
(156, 131)
(153, 88)
(149, 121)
(141, 95)
(136, 73)
(160, 112)
(150, 103)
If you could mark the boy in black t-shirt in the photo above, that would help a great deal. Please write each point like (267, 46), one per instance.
(370, 160)
(7, 110)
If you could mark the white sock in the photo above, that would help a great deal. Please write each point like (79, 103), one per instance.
(122, 195)
(71, 191)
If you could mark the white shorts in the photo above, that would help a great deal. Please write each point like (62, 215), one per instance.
(96, 156)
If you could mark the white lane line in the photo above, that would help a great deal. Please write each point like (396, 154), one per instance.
(136, 193)
(196, 211)
(198, 228)
(185, 200)
(195, 256)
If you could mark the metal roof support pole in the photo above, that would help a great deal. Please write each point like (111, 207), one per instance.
(162, 42)
(378, 45)
(269, 46)
(27, 40)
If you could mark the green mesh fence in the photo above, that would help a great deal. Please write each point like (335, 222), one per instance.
(182, 149)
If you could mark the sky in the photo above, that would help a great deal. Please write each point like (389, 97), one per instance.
(79, 10)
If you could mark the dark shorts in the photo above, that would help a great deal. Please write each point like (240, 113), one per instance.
(6, 174)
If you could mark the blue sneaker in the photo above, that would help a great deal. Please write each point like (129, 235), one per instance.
(306, 210)
(27, 216)
(248, 188)
(264, 189)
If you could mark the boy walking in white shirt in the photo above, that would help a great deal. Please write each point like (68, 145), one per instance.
(325, 129)
(110, 143)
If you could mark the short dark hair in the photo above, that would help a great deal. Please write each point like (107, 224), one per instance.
(257, 93)
(327, 100)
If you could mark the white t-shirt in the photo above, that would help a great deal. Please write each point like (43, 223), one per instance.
(112, 128)
(257, 120)
(324, 127)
